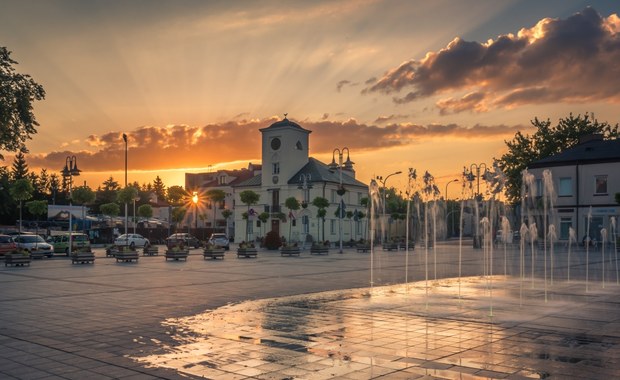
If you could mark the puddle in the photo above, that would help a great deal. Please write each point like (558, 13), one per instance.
(364, 331)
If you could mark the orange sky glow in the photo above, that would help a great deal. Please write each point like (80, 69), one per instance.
(191, 82)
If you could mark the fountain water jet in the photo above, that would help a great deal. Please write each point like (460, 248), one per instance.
(572, 237)
(603, 240)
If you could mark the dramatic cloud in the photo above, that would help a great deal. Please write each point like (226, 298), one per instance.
(571, 60)
(182, 146)
(385, 119)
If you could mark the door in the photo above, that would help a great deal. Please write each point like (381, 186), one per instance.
(275, 226)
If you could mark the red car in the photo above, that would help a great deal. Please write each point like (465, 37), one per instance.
(7, 244)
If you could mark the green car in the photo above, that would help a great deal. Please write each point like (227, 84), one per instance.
(61, 242)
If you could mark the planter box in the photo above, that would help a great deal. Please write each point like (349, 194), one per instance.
(82, 258)
(214, 253)
(390, 247)
(150, 251)
(111, 251)
(289, 251)
(15, 260)
(177, 255)
(247, 252)
(363, 248)
(127, 256)
(319, 250)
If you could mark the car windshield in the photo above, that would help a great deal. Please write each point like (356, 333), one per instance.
(6, 239)
(31, 239)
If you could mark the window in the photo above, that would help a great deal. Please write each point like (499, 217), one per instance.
(333, 192)
(566, 187)
(332, 226)
(565, 225)
(538, 191)
(275, 167)
(222, 180)
(600, 184)
(305, 221)
(299, 146)
(250, 227)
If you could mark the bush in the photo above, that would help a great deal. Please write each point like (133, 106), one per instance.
(272, 240)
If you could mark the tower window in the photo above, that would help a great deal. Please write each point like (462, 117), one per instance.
(275, 168)
(299, 146)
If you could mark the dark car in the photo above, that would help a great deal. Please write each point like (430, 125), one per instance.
(7, 244)
(182, 238)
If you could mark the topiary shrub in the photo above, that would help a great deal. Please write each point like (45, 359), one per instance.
(272, 240)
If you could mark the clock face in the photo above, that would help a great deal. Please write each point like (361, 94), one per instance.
(275, 143)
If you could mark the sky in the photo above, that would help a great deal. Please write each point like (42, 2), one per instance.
(431, 85)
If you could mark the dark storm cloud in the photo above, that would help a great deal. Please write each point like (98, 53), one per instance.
(573, 59)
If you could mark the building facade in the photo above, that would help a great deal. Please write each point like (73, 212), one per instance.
(585, 180)
(287, 170)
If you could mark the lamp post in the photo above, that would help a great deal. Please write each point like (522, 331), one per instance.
(447, 213)
(470, 176)
(305, 186)
(383, 185)
(341, 189)
(126, 220)
(195, 200)
(69, 171)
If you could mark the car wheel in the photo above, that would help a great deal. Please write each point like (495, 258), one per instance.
(132, 245)
(146, 244)
(67, 251)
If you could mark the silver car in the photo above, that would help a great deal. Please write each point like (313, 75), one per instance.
(220, 240)
(34, 244)
(132, 240)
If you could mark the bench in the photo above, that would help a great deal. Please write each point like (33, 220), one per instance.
(127, 256)
(16, 260)
(290, 251)
(247, 252)
(319, 250)
(390, 247)
(150, 251)
(177, 255)
(83, 258)
(363, 248)
(213, 253)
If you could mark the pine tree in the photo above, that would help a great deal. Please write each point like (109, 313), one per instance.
(160, 189)
(20, 167)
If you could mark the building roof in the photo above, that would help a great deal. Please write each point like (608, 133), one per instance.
(320, 172)
(254, 181)
(589, 152)
(285, 123)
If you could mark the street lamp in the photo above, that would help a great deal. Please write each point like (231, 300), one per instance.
(383, 184)
(126, 220)
(195, 200)
(447, 213)
(341, 189)
(68, 172)
(470, 176)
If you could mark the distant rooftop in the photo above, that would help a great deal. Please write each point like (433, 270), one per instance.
(589, 152)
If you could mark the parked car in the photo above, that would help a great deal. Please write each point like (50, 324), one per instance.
(132, 240)
(7, 244)
(185, 238)
(61, 242)
(34, 244)
(220, 239)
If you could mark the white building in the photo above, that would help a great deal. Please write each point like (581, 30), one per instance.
(287, 170)
(586, 179)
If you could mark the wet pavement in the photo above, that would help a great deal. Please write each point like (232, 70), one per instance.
(309, 317)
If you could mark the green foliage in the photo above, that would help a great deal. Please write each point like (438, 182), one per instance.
(127, 195)
(20, 167)
(176, 195)
(159, 189)
(226, 213)
(145, 211)
(546, 141)
(292, 203)
(263, 217)
(21, 190)
(249, 197)
(110, 209)
(178, 214)
(17, 93)
(272, 240)
(83, 195)
(37, 208)
(320, 203)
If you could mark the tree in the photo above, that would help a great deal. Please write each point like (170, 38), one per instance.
(248, 197)
(110, 209)
(20, 167)
(226, 214)
(263, 217)
(159, 189)
(145, 211)
(546, 141)
(321, 204)
(216, 196)
(37, 208)
(178, 214)
(83, 195)
(293, 205)
(176, 195)
(21, 191)
(17, 93)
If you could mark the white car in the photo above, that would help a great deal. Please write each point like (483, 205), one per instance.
(34, 244)
(131, 240)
